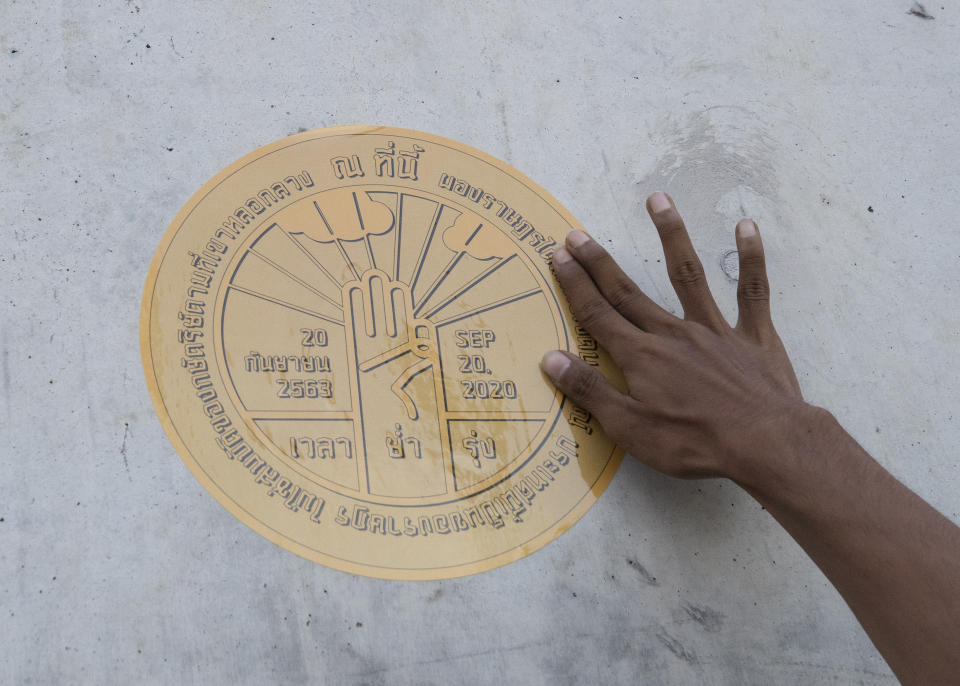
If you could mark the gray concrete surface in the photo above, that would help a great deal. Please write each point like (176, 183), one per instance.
(833, 124)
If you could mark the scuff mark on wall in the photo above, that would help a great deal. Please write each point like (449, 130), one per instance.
(707, 617)
(647, 577)
(676, 647)
(919, 10)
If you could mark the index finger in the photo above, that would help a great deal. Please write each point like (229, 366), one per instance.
(618, 288)
(592, 310)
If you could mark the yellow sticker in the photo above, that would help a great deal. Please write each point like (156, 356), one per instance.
(341, 334)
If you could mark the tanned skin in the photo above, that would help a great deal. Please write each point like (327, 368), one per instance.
(706, 399)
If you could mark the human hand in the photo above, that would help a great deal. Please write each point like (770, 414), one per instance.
(394, 401)
(704, 399)
(383, 328)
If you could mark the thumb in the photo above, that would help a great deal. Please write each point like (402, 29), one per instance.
(583, 384)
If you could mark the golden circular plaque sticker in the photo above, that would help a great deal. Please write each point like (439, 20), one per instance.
(341, 333)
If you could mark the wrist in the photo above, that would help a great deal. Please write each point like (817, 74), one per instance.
(789, 451)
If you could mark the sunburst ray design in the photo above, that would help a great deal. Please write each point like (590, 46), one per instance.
(454, 266)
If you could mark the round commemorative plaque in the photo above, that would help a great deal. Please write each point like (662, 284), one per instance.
(341, 333)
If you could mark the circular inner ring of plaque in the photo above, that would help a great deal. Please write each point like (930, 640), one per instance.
(341, 334)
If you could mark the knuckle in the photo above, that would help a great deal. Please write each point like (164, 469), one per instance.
(592, 253)
(753, 289)
(752, 262)
(595, 259)
(687, 271)
(584, 383)
(591, 312)
(622, 294)
(671, 224)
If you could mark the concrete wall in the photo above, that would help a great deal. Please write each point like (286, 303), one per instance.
(833, 124)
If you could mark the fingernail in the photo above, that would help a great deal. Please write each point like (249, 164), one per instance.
(577, 238)
(659, 203)
(561, 256)
(746, 228)
(555, 363)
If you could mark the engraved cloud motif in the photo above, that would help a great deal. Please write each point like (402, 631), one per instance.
(344, 213)
(479, 240)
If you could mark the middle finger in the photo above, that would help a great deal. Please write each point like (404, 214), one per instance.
(683, 265)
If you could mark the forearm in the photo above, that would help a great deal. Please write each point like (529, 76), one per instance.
(704, 399)
(893, 558)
